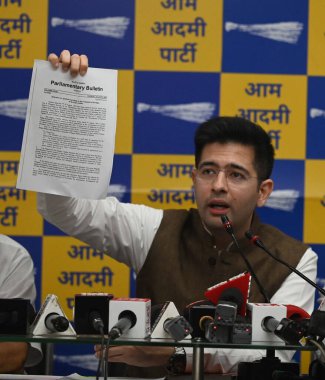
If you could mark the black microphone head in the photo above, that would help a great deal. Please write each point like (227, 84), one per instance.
(232, 295)
(227, 224)
(316, 323)
(178, 327)
(269, 324)
(96, 321)
(60, 323)
(255, 239)
(129, 315)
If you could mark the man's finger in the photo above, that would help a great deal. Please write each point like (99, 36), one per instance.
(65, 59)
(83, 64)
(53, 59)
(75, 64)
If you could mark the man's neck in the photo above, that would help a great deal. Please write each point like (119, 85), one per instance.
(221, 238)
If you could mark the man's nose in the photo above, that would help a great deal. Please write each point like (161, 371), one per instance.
(220, 182)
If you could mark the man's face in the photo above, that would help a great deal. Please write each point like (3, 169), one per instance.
(233, 191)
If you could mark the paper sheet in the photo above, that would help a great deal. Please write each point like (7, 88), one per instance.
(69, 134)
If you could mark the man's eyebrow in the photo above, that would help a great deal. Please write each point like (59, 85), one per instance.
(206, 163)
(231, 165)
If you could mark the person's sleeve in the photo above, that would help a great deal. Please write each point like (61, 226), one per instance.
(123, 231)
(18, 282)
(295, 291)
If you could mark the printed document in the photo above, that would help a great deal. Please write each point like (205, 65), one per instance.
(69, 135)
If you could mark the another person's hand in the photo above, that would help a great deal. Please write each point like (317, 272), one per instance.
(137, 355)
(77, 64)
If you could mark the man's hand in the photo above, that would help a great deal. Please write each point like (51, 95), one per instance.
(77, 64)
(13, 356)
(137, 355)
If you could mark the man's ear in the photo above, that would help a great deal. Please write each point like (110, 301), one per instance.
(193, 175)
(265, 190)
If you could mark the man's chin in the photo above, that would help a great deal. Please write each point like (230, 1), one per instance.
(214, 224)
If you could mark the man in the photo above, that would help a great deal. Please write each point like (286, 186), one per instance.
(177, 254)
(16, 281)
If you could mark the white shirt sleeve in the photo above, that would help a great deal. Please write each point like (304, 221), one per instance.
(123, 231)
(295, 291)
(17, 271)
(17, 281)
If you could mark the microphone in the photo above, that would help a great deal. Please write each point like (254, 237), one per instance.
(227, 326)
(240, 282)
(286, 329)
(166, 322)
(129, 317)
(55, 322)
(205, 321)
(233, 295)
(178, 327)
(51, 319)
(200, 314)
(230, 301)
(15, 315)
(126, 320)
(96, 321)
(90, 311)
(260, 312)
(229, 229)
(257, 241)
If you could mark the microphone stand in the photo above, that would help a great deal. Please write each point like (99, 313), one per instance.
(228, 227)
(256, 240)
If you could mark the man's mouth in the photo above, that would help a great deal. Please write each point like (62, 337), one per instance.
(218, 207)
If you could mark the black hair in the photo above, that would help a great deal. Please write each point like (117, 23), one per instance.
(238, 130)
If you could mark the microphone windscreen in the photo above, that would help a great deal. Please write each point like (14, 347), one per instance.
(296, 312)
(240, 282)
(316, 323)
(232, 295)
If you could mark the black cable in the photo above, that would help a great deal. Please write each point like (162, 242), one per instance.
(100, 360)
(106, 358)
(98, 325)
(320, 347)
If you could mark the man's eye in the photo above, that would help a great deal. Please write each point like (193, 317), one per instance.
(236, 175)
(208, 172)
